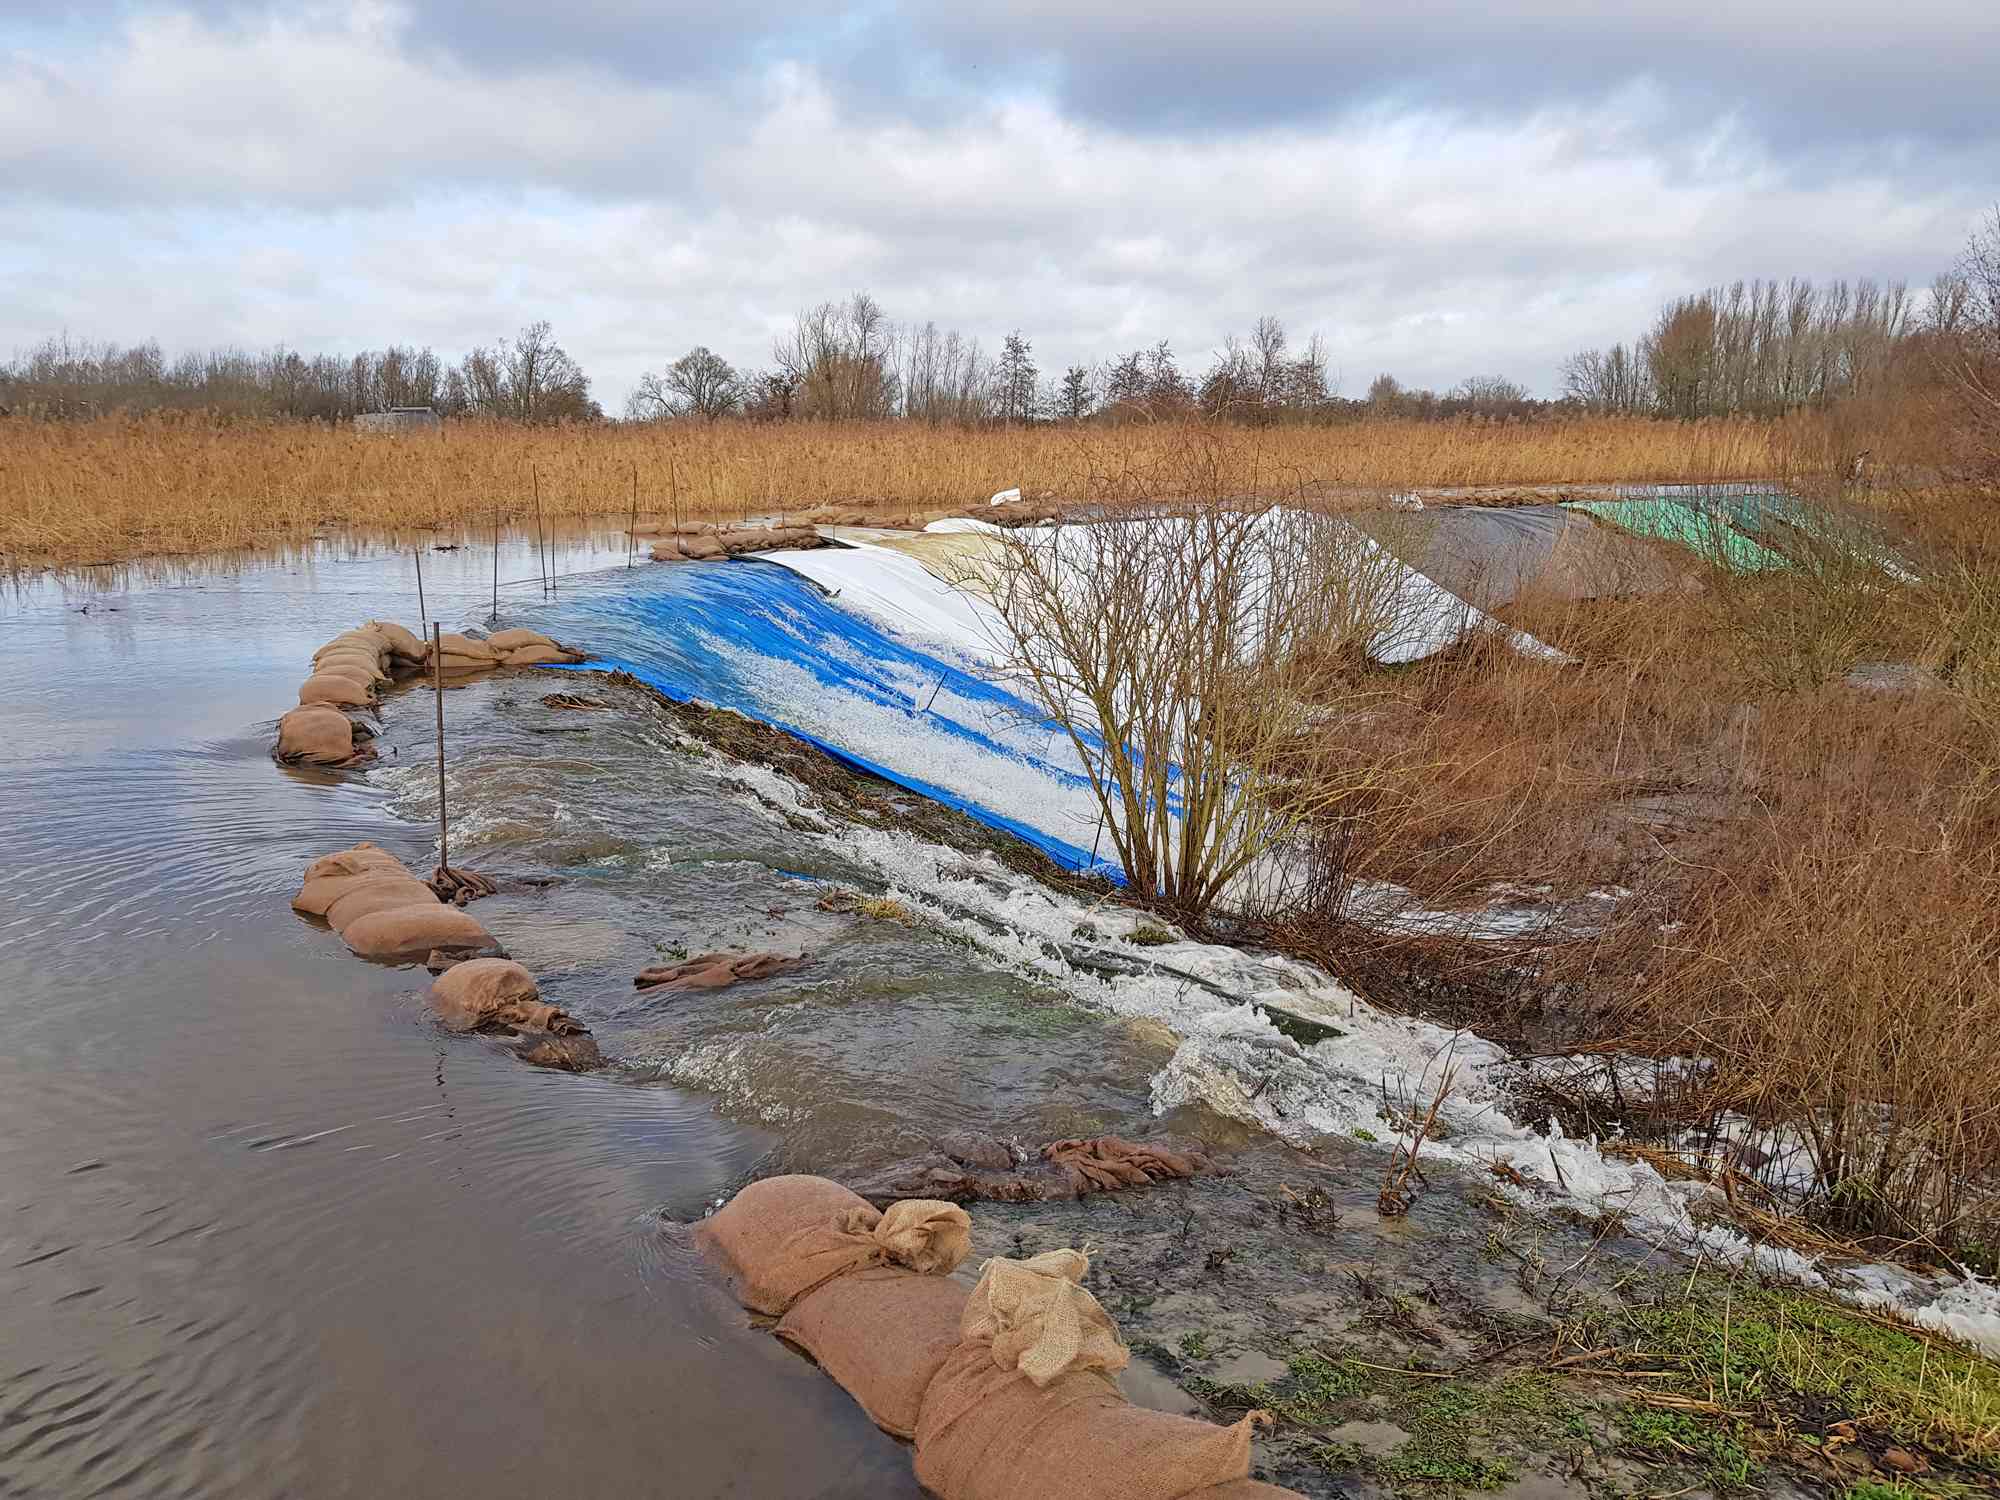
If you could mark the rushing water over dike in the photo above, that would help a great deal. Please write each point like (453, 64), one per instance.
(265, 1230)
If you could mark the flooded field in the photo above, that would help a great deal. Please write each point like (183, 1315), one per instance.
(266, 1229)
(263, 1229)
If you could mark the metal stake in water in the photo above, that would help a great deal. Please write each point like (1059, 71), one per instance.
(541, 554)
(437, 685)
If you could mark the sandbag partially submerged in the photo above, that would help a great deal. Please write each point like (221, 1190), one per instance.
(495, 992)
(376, 890)
(574, 1052)
(714, 971)
(713, 544)
(353, 861)
(882, 1333)
(320, 734)
(966, 1168)
(538, 655)
(1106, 1163)
(780, 1238)
(404, 934)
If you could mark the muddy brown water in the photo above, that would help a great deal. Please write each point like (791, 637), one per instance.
(264, 1230)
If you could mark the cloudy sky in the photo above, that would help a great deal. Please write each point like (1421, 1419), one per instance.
(1439, 188)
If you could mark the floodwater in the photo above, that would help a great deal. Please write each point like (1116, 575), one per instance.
(264, 1230)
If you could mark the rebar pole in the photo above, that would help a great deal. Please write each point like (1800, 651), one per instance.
(541, 554)
(422, 613)
(437, 686)
(632, 531)
(495, 616)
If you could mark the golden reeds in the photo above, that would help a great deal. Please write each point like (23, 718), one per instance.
(115, 489)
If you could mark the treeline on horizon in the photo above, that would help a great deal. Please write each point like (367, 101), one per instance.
(1755, 348)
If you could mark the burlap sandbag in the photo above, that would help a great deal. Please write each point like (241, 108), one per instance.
(513, 640)
(364, 641)
(402, 642)
(1026, 1406)
(1105, 1163)
(382, 890)
(781, 1237)
(352, 659)
(352, 861)
(882, 1333)
(465, 647)
(494, 992)
(342, 692)
(714, 971)
(984, 1433)
(1036, 1317)
(540, 656)
(319, 735)
(407, 933)
(362, 678)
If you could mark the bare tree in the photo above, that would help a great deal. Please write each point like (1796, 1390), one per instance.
(838, 357)
(1261, 380)
(1606, 380)
(943, 376)
(1965, 331)
(531, 380)
(701, 383)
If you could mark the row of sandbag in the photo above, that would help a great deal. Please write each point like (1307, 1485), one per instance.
(696, 542)
(348, 670)
(383, 912)
(1013, 511)
(1006, 1388)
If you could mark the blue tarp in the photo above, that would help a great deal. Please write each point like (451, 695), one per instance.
(765, 642)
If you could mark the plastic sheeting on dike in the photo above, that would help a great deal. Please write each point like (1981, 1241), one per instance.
(893, 584)
(1788, 523)
(764, 641)
(866, 654)
(1492, 555)
(1696, 522)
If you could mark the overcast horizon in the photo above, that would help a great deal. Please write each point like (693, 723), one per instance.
(1439, 191)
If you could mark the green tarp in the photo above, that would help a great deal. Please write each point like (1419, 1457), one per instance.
(1701, 525)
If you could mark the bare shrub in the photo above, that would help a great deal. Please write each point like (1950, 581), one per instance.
(1175, 648)
(1966, 335)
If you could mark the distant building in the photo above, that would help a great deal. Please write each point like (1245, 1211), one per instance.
(398, 419)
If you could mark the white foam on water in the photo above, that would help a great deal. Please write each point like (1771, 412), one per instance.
(1233, 1059)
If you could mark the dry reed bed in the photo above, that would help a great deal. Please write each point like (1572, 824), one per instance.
(1814, 866)
(113, 490)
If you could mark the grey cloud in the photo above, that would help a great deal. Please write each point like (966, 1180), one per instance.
(343, 176)
(1802, 72)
